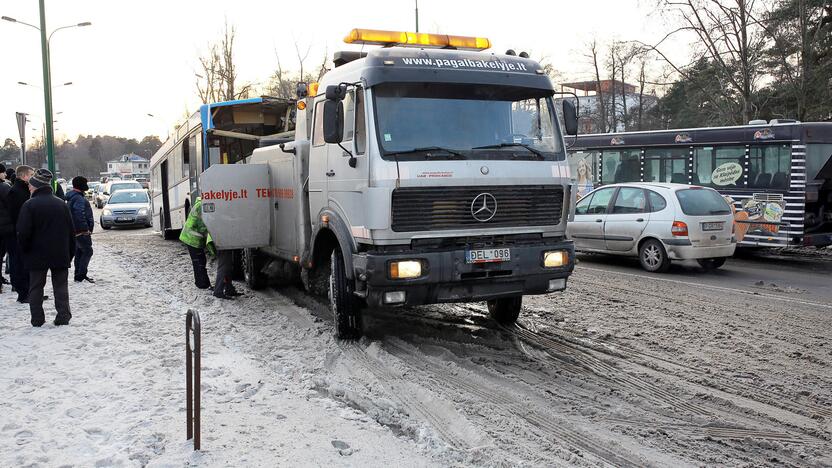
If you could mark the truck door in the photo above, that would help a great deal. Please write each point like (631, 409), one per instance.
(346, 183)
(627, 219)
(236, 205)
(318, 163)
(587, 230)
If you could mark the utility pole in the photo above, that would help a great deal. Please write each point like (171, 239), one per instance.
(47, 94)
(417, 15)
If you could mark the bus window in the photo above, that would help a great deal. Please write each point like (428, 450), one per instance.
(727, 160)
(186, 155)
(620, 166)
(817, 155)
(666, 165)
(770, 166)
(582, 166)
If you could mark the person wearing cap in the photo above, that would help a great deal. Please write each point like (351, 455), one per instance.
(46, 237)
(84, 223)
(18, 195)
(6, 225)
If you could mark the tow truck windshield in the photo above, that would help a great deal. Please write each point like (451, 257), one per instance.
(436, 120)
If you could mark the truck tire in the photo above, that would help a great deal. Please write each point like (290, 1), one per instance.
(252, 264)
(653, 256)
(506, 310)
(342, 301)
(708, 264)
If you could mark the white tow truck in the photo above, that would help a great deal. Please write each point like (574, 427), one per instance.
(424, 171)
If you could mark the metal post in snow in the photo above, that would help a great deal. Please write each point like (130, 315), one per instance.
(193, 369)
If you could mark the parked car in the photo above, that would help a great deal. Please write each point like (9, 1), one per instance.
(112, 187)
(656, 222)
(127, 207)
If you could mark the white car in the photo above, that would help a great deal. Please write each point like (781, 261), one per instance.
(657, 222)
(127, 207)
(112, 187)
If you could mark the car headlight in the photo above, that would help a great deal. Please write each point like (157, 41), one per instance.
(405, 269)
(108, 212)
(556, 258)
(142, 211)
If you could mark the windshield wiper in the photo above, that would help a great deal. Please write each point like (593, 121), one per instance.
(538, 153)
(455, 154)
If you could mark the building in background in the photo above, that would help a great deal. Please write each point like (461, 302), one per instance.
(128, 166)
(625, 106)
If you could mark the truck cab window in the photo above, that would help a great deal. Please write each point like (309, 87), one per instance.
(318, 126)
(349, 115)
(360, 124)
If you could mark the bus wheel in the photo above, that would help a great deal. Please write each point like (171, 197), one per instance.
(344, 304)
(653, 256)
(708, 264)
(252, 266)
(506, 310)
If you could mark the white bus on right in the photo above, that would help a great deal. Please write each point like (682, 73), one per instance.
(776, 176)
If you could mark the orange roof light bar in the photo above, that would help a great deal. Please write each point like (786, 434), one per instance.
(375, 36)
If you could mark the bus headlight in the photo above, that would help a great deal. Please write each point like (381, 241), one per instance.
(556, 258)
(405, 269)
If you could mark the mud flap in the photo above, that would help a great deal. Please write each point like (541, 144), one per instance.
(237, 205)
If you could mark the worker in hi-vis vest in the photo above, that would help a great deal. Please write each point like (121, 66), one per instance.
(196, 237)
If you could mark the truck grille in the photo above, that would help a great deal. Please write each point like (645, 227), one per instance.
(437, 208)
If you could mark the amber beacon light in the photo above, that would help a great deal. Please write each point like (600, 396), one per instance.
(402, 38)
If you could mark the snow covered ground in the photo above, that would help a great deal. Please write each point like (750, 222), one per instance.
(617, 371)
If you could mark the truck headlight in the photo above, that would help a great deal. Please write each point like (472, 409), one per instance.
(142, 211)
(405, 269)
(108, 212)
(556, 258)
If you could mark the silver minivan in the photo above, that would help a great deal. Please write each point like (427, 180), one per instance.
(658, 222)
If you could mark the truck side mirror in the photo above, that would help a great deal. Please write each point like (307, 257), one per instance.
(570, 118)
(333, 121)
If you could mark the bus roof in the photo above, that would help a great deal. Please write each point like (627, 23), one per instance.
(809, 132)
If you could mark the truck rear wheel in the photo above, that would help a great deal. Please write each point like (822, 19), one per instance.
(252, 265)
(506, 310)
(344, 304)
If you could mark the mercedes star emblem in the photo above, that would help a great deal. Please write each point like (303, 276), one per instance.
(484, 207)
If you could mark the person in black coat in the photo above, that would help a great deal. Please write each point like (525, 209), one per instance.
(6, 224)
(18, 195)
(84, 223)
(47, 238)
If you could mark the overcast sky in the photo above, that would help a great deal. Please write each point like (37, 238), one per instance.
(139, 57)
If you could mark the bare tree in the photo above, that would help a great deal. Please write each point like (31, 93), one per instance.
(730, 38)
(218, 80)
(593, 55)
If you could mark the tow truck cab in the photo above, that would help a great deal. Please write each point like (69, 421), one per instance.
(419, 176)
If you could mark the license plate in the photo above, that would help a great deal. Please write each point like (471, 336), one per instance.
(124, 218)
(488, 255)
(712, 226)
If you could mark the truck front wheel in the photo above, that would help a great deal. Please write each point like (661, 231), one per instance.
(506, 310)
(344, 304)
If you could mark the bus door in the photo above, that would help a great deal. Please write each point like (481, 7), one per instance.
(165, 223)
(194, 152)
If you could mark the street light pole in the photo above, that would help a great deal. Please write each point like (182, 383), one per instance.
(47, 94)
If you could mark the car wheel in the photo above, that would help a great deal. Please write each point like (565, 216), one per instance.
(343, 303)
(506, 310)
(252, 264)
(105, 227)
(653, 256)
(711, 263)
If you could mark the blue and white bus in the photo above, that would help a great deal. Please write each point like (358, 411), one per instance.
(777, 175)
(219, 133)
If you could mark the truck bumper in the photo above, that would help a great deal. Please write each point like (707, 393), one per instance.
(447, 277)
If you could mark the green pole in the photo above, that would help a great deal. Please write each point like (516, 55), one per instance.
(47, 95)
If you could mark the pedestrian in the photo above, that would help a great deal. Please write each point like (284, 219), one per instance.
(84, 223)
(46, 237)
(195, 235)
(18, 195)
(6, 224)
